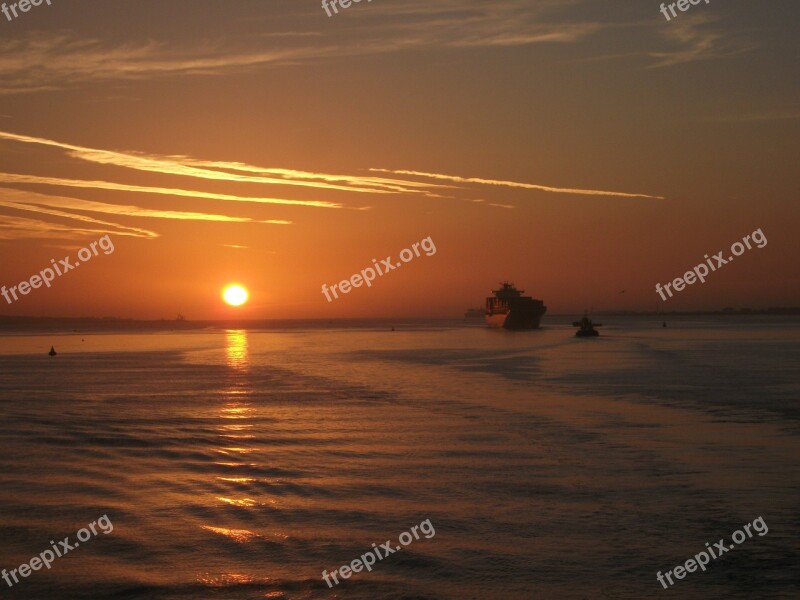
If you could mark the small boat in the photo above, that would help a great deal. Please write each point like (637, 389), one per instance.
(475, 313)
(587, 328)
(52, 351)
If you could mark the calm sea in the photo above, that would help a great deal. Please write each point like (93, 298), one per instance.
(240, 464)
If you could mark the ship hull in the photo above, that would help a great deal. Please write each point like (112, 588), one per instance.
(516, 319)
(495, 321)
(582, 333)
(509, 309)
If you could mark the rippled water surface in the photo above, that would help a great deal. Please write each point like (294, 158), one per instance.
(241, 464)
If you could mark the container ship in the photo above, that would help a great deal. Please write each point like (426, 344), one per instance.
(509, 309)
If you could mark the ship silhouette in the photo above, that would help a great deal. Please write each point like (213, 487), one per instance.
(509, 309)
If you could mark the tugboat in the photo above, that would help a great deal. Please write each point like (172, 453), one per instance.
(474, 313)
(587, 328)
(509, 309)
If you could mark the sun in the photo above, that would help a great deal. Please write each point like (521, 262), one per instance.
(235, 295)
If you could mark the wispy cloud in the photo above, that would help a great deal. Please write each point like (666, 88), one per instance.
(401, 182)
(295, 177)
(493, 204)
(474, 24)
(694, 38)
(45, 62)
(516, 184)
(51, 61)
(15, 228)
(220, 170)
(76, 204)
(42, 61)
(43, 227)
(122, 187)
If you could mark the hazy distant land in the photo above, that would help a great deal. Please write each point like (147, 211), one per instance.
(79, 324)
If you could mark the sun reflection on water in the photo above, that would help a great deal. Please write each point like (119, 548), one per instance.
(225, 579)
(236, 349)
(234, 432)
(237, 501)
(241, 536)
(232, 411)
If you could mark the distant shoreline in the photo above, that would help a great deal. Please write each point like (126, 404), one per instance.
(774, 311)
(84, 324)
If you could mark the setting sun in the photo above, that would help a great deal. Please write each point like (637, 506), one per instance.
(235, 295)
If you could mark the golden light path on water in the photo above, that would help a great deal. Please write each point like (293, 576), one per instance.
(236, 408)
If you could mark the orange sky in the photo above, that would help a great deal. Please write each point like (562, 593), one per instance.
(581, 149)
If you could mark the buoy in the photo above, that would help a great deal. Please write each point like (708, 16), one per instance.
(52, 351)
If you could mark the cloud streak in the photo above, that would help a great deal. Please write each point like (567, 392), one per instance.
(16, 228)
(46, 62)
(219, 170)
(42, 62)
(693, 41)
(115, 228)
(76, 204)
(122, 187)
(516, 184)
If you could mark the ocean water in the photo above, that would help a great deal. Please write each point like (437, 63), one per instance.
(241, 464)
